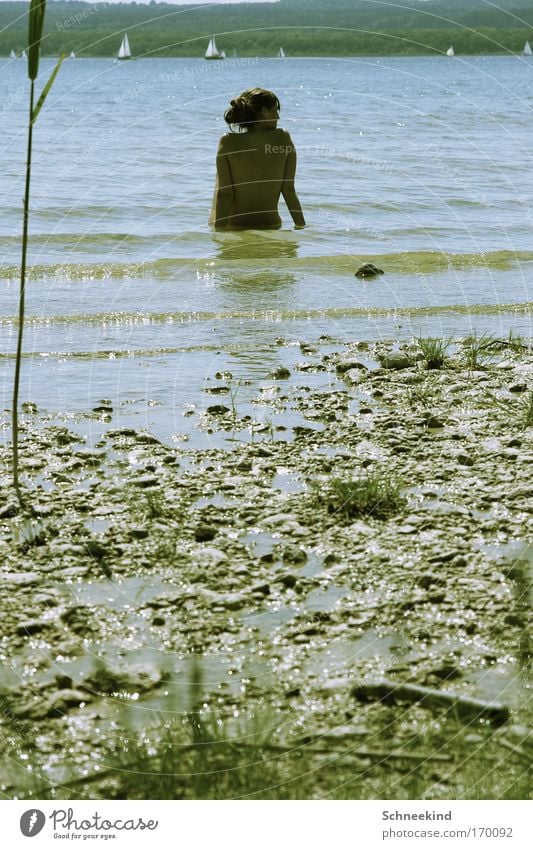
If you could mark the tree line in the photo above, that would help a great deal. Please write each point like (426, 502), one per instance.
(257, 30)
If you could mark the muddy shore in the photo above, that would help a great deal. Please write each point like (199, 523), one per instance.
(242, 555)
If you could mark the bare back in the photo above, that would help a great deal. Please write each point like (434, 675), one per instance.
(253, 170)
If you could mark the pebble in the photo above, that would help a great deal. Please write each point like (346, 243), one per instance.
(32, 626)
(395, 360)
(61, 701)
(210, 555)
(145, 481)
(204, 533)
(21, 579)
(217, 410)
(294, 554)
(279, 373)
(349, 364)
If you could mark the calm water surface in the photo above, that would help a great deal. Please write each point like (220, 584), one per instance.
(421, 165)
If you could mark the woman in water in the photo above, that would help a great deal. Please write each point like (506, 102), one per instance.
(254, 167)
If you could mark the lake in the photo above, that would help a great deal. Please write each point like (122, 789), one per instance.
(420, 165)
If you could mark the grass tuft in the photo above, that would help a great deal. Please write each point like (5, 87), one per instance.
(476, 350)
(433, 350)
(373, 494)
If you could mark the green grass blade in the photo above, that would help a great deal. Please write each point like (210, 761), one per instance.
(35, 32)
(46, 89)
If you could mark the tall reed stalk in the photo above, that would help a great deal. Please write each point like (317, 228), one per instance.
(35, 31)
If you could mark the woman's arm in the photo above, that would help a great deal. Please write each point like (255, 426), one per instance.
(224, 188)
(287, 189)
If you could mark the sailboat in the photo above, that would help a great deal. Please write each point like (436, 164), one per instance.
(12, 55)
(450, 52)
(212, 50)
(72, 54)
(124, 50)
(281, 53)
(23, 55)
(222, 54)
(527, 49)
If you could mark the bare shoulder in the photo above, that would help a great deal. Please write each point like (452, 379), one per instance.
(226, 142)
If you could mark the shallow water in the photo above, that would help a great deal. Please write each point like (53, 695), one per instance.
(421, 165)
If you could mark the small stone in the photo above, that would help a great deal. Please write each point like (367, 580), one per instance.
(463, 459)
(145, 481)
(354, 375)
(29, 407)
(61, 701)
(289, 580)
(138, 533)
(217, 390)
(217, 410)
(349, 364)
(95, 548)
(433, 421)
(145, 438)
(368, 269)
(279, 373)
(9, 511)
(263, 589)
(294, 554)
(32, 626)
(395, 360)
(518, 387)
(428, 580)
(213, 556)
(20, 579)
(444, 556)
(204, 533)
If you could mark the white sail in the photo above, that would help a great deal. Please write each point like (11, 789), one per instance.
(212, 50)
(222, 54)
(124, 50)
(527, 49)
(281, 53)
(450, 52)
(72, 54)
(12, 55)
(23, 55)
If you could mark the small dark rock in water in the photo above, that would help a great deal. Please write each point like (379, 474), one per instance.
(102, 408)
(217, 390)
(280, 373)
(368, 269)
(217, 409)
(204, 533)
(518, 387)
(29, 407)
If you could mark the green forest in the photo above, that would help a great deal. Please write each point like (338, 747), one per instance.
(302, 27)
